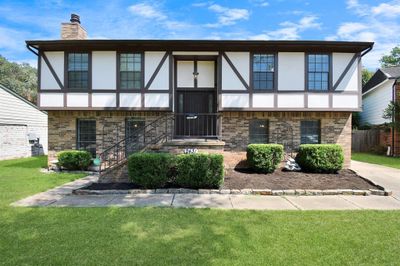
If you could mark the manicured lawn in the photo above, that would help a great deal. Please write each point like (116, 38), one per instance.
(376, 159)
(159, 236)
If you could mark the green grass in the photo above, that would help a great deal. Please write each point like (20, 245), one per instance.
(376, 159)
(154, 236)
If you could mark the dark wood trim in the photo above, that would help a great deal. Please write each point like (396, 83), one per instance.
(359, 78)
(163, 109)
(346, 70)
(273, 109)
(251, 81)
(219, 82)
(117, 77)
(47, 62)
(39, 77)
(171, 79)
(156, 71)
(236, 71)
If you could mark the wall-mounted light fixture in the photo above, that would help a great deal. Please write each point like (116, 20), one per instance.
(195, 75)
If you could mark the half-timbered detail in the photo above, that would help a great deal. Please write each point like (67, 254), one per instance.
(229, 93)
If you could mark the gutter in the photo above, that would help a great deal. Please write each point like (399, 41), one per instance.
(31, 48)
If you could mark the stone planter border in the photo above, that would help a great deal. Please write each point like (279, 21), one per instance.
(249, 191)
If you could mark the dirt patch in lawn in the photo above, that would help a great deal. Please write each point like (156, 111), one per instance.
(345, 179)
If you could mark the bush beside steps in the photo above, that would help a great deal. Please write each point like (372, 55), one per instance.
(157, 170)
(74, 159)
(320, 158)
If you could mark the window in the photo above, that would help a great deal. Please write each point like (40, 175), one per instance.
(86, 136)
(318, 72)
(263, 71)
(130, 71)
(78, 74)
(258, 131)
(310, 132)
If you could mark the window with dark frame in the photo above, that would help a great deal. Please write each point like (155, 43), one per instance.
(86, 136)
(263, 71)
(310, 131)
(130, 71)
(258, 131)
(318, 72)
(78, 70)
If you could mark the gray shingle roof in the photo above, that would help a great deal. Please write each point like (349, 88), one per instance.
(381, 75)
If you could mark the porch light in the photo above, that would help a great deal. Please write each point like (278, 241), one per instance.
(195, 75)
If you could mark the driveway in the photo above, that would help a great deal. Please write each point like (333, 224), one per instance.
(387, 177)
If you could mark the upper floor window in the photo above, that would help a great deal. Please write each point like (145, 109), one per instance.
(263, 71)
(78, 70)
(130, 71)
(318, 72)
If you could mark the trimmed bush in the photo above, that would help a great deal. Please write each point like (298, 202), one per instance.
(199, 170)
(74, 159)
(320, 158)
(264, 158)
(150, 170)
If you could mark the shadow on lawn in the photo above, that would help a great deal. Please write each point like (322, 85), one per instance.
(32, 162)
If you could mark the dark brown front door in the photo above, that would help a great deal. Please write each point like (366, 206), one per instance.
(195, 104)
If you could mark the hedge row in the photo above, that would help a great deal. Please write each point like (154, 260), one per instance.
(156, 170)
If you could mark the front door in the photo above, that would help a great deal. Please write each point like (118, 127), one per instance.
(195, 104)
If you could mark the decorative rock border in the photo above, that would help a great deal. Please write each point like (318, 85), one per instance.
(247, 191)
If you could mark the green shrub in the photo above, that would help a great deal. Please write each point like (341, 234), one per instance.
(199, 170)
(264, 158)
(150, 170)
(320, 158)
(74, 160)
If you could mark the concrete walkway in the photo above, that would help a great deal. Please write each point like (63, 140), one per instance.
(387, 177)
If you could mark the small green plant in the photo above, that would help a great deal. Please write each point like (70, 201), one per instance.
(74, 159)
(150, 170)
(264, 158)
(199, 171)
(320, 158)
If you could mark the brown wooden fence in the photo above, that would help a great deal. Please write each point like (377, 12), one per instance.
(364, 140)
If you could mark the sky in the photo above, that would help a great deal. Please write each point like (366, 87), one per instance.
(346, 20)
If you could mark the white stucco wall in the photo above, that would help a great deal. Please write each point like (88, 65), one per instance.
(291, 71)
(51, 99)
(160, 100)
(104, 69)
(339, 64)
(77, 99)
(230, 81)
(291, 100)
(344, 101)
(152, 60)
(318, 100)
(104, 100)
(263, 100)
(235, 100)
(47, 80)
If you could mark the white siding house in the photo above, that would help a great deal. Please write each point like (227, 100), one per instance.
(22, 125)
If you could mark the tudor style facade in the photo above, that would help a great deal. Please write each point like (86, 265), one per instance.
(97, 92)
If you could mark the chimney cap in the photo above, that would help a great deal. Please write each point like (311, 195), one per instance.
(75, 18)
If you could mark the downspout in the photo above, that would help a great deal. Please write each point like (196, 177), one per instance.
(393, 114)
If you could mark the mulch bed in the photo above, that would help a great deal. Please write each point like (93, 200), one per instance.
(345, 179)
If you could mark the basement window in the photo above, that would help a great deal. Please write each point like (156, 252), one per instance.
(263, 71)
(310, 132)
(130, 71)
(258, 131)
(86, 136)
(78, 74)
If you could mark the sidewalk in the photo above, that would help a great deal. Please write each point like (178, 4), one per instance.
(62, 197)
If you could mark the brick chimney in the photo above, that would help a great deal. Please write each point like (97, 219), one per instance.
(73, 30)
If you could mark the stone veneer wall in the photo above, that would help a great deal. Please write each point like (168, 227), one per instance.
(110, 127)
(335, 128)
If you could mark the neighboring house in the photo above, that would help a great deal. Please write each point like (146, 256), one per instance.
(23, 127)
(377, 93)
(182, 92)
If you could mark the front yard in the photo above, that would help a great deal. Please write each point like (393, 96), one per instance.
(376, 159)
(115, 236)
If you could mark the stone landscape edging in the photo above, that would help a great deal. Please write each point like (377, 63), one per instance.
(248, 191)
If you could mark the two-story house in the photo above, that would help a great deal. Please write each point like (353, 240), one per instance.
(217, 94)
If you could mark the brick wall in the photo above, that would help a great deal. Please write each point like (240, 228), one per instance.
(335, 128)
(110, 127)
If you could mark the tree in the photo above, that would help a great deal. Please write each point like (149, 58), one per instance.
(392, 111)
(392, 59)
(366, 75)
(21, 78)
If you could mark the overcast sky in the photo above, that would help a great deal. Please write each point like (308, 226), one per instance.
(358, 20)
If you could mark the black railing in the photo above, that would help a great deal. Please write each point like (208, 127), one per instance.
(158, 132)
